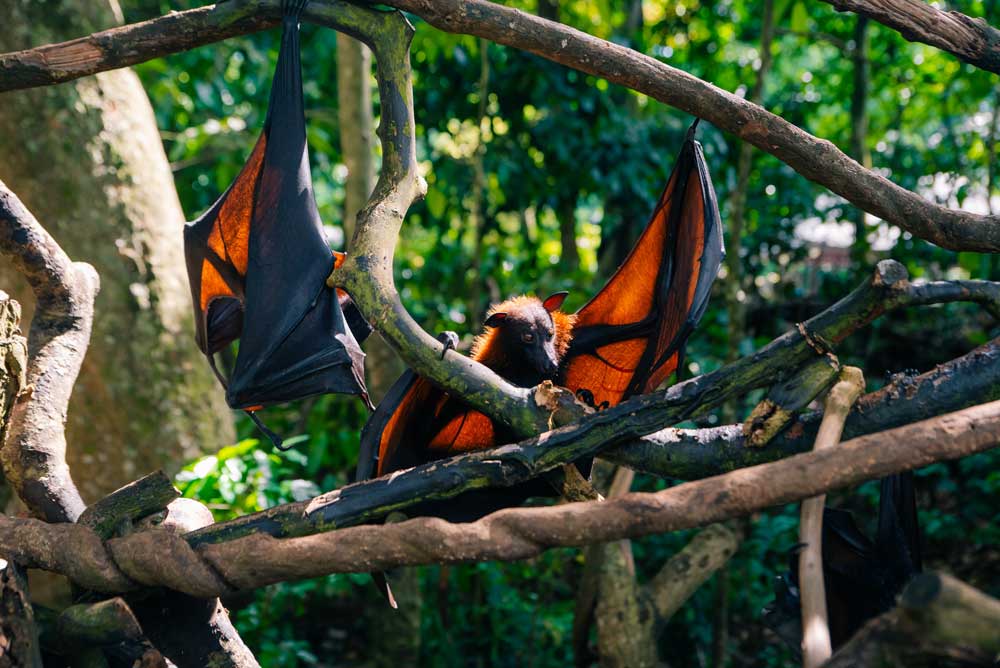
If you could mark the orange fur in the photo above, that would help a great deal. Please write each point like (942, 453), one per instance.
(484, 348)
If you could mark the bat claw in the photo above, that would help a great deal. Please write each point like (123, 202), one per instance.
(449, 340)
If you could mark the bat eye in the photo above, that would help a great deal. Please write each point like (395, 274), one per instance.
(527, 337)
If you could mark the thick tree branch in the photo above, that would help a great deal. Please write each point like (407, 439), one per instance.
(687, 570)
(972, 40)
(34, 455)
(940, 622)
(816, 159)
(689, 454)
(159, 557)
(367, 273)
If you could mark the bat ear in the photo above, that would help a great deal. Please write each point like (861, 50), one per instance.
(495, 319)
(554, 301)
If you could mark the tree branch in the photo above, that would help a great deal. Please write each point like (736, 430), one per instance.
(687, 570)
(689, 454)
(19, 647)
(34, 455)
(160, 558)
(816, 646)
(972, 40)
(816, 159)
(940, 622)
(367, 273)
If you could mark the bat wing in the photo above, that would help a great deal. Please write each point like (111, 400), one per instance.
(402, 429)
(258, 262)
(629, 338)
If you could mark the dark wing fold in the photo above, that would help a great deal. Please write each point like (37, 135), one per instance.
(397, 434)
(258, 262)
(629, 338)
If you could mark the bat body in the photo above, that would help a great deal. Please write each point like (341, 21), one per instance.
(625, 341)
(862, 577)
(258, 261)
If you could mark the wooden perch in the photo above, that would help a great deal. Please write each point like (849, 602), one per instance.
(160, 558)
(972, 40)
(816, 646)
(940, 622)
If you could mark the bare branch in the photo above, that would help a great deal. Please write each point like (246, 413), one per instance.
(367, 273)
(972, 40)
(687, 570)
(159, 557)
(816, 159)
(816, 646)
(34, 455)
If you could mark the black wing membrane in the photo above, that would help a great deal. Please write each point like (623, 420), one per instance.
(862, 577)
(258, 262)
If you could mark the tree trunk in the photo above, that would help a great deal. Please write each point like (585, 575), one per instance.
(859, 128)
(86, 158)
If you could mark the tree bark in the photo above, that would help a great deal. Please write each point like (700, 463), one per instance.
(816, 647)
(972, 40)
(19, 646)
(357, 134)
(86, 158)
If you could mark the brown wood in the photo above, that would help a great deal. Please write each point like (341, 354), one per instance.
(159, 557)
(973, 40)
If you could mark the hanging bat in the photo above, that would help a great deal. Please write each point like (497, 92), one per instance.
(625, 341)
(862, 578)
(258, 261)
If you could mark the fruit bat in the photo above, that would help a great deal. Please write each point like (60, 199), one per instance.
(625, 341)
(862, 577)
(258, 261)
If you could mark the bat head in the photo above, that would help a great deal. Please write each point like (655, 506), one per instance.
(525, 339)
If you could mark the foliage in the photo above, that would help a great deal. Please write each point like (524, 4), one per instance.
(553, 141)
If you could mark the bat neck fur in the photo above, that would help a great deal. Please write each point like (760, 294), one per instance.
(528, 345)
